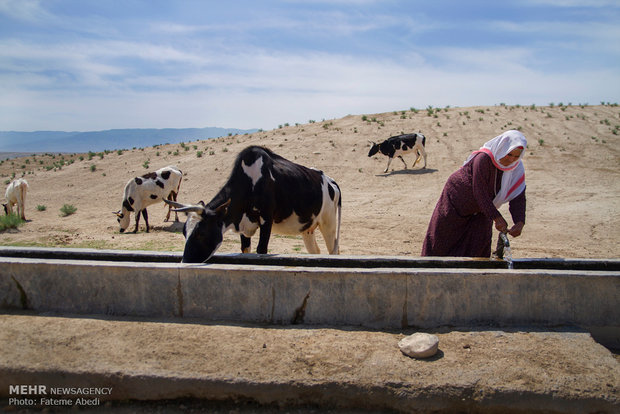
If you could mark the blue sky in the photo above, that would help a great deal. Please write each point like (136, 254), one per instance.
(80, 65)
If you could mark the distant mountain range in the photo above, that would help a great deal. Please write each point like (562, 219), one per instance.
(112, 139)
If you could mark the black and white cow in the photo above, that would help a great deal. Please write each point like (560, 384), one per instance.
(141, 192)
(268, 192)
(400, 145)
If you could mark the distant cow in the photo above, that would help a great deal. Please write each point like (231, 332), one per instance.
(16, 195)
(266, 192)
(400, 145)
(141, 192)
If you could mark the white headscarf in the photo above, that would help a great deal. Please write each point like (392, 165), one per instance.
(513, 180)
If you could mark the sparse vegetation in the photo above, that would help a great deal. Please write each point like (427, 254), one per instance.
(598, 127)
(67, 210)
(10, 221)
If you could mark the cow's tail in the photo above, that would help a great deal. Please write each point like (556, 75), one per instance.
(337, 242)
(21, 205)
(22, 192)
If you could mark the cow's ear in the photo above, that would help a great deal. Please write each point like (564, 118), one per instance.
(117, 213)
(223, 209)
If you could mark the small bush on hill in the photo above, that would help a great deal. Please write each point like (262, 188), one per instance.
(67, 210)
(11, 221)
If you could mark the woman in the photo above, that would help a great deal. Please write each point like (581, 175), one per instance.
(461, 224)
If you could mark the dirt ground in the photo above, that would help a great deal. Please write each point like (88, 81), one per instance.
(572, 172)
(474, 370)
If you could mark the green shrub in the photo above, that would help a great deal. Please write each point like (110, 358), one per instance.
(11, 221)
(67, 210)
(41, 207)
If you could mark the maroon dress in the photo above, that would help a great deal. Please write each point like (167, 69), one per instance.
(462, 223)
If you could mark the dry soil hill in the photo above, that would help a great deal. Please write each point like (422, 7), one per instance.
(572, 171)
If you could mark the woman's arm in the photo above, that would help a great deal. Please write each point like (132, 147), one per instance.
(517, 211)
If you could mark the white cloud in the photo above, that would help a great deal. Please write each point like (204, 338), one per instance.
(263, 90)
(574, 3)
(24, 10)
(177, 74)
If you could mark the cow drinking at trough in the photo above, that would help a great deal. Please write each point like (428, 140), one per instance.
(16, 195)
(268, 192)
(400, 145)
(141, 192)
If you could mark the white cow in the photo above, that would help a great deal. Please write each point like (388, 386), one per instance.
(141, 192)
(16, 194)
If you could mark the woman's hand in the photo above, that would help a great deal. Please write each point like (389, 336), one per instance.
(500, 224)
(516, 230)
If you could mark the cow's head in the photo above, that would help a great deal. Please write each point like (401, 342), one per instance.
(374, 148)
(204, 230)
(122, 215)
(123, 219)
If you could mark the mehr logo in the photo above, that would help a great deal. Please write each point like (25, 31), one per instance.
(27, 390)
(24, 395)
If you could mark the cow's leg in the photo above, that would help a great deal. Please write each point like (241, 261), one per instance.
(146, 219)
(176, 213)
(329, 225)
(173, 197)
(310, 241)
(169, 208)
(417, 158)
(388, 166)
(265, 234)
(329, 232)
(403, 160)
(245, 244)
(23, 201)
(424, 155)
(137, 221)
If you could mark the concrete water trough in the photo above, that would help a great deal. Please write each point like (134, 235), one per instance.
(367, 291)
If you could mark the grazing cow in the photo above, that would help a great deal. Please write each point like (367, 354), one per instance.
(141, 192)
(16, 194)
(400, 145)
(266, 192)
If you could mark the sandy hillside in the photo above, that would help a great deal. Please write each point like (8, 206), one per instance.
(572, 171)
